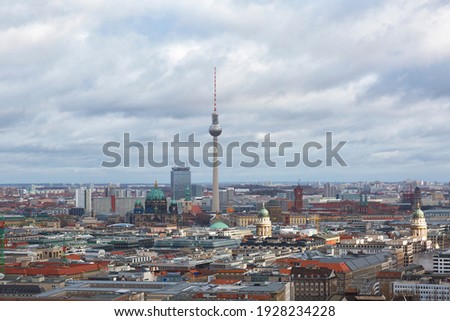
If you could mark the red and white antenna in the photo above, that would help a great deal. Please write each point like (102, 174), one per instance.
(215, 98)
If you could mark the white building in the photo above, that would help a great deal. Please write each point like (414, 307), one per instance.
(83, 198)
(441, 262)
(423, 291)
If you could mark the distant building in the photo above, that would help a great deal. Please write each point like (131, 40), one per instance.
(223, 197)
(83, 198)
(274, 207)
(329, 190)
(180, 178)
(232, 291)
(292, 218)
(441, 263)
(77, 211)
(313, 283)
(421, 290)
(243, 219)
(119, 205)
(196, 190)
(417, 198)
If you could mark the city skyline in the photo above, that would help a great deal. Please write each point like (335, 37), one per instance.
(77, 75)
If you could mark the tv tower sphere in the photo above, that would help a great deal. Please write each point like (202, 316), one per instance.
(215, 129)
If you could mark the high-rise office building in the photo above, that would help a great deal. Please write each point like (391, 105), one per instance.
(180, 178)
(196, 190)
(329, 190)
(83, 198)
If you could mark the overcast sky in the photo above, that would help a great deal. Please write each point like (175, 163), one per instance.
(77, 74)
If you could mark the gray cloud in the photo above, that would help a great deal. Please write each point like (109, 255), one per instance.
(76, 74)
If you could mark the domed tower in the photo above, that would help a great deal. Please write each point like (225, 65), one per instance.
(418, 223)
(156, 202)
(263, 225)
(138, 207)
(215, 130)
(187, 203)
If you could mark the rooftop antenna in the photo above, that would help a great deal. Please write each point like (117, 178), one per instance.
(215, 99)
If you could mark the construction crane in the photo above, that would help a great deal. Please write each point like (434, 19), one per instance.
(317, 222)
(314, 220)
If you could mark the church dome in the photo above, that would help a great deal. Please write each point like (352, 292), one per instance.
(155, 194)
(218, 225)
(418, 213)
(263, 212)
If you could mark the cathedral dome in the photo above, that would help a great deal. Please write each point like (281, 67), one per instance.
(263, 212)
(418, 213)
(155, 194)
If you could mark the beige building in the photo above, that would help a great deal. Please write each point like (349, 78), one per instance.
(246, 219)
(243, 219)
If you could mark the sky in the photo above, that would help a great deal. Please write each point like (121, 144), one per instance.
(75, 75)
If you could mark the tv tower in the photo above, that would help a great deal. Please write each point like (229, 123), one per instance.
(215, 130)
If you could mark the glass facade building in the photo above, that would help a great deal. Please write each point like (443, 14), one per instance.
(180, 179)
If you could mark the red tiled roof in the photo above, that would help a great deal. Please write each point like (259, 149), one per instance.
(338, 267)
(117, 252)
(285, 271)
(389, 274)
(288, 261)
(196, 209)
(224, 281)
(54, 269)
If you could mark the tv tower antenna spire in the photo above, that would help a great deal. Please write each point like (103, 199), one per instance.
(215, 96)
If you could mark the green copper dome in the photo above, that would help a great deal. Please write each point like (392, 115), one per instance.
(155, 194)
(218, 225)
(418, 213)
(263, 212)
